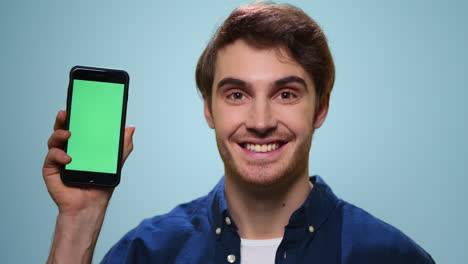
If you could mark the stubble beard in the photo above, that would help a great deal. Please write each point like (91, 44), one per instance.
(267, 177)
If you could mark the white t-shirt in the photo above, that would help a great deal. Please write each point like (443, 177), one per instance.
(261, 251)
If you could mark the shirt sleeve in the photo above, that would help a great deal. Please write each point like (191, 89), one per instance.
(123, 251)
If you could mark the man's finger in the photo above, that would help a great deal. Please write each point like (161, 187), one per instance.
(56, 157)
(128, 141)
(60, 120)
(58, 138)
(128, 137)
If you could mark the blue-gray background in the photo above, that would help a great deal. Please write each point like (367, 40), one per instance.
(394, 142)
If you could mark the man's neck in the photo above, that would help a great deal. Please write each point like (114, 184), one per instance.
(263, 215)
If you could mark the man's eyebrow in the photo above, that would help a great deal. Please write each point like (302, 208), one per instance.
(232, 81)
(290, 79)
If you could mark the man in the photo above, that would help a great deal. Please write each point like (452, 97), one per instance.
(266, 78)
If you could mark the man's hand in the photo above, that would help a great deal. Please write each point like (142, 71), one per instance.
(72, 200)
(81, 209)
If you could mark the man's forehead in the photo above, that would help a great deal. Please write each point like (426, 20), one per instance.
(253, 64)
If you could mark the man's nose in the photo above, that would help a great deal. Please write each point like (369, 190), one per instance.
(261, 118)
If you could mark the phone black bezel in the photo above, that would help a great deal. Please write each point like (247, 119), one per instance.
(87, 178)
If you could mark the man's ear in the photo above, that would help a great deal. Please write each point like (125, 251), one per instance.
(207, 112)
(321, 114)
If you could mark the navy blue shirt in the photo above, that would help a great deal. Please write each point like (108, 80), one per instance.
(325, 229)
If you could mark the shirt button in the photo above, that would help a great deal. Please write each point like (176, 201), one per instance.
(311, 229)
(218, 231)
(231, 258)
(228, 221)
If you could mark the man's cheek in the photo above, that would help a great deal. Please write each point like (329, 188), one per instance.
(231, 120)
(226, 127)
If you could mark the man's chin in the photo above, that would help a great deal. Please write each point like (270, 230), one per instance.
(259, 177)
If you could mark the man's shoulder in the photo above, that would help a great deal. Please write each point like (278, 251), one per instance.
(185, 225)
(366, 237)
(184, 213)
(184, 218)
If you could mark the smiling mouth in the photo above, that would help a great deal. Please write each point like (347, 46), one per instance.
(262, 148)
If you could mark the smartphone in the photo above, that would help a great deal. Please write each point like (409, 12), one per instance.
(96, 111)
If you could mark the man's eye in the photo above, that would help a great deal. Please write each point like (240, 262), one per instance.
(287, 95)
(236, 96)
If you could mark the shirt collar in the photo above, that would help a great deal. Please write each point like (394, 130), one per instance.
(314, 211)
(218, 209)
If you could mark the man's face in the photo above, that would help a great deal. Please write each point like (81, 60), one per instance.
(263, 113)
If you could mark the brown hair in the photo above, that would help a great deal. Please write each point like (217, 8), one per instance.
(267, 25)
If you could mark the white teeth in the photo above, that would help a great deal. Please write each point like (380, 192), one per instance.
(262, 148)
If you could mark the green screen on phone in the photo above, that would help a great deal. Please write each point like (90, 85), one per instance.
(95, 119)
